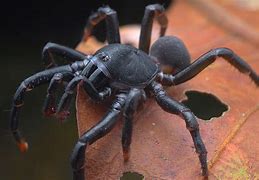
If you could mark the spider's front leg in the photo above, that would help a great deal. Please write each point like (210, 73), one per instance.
(49, 106)
(103, 127)
(172, 106)
(27, 85)
(35, 81)
(65, 102)
(88, 80)
(78, 60)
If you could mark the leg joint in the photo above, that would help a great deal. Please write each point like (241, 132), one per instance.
(106, 10)
(158, 90)
(190, 120)
(78, 155)
(47, 46)
(119, 103)
(58, 76)
(117, 106)
(224, 52)
(20, 104)
(155, 7)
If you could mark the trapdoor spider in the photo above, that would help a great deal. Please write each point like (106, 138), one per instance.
(125, 74)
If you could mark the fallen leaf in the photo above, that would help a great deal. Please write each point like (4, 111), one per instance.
(161, 146)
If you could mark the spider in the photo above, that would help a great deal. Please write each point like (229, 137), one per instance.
(125, 74)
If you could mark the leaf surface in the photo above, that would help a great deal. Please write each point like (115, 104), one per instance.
(161, 146)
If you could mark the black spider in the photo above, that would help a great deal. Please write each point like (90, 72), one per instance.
(128, 74)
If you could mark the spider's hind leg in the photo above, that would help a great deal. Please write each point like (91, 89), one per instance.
(112, 24)
(152, 11)
(205, 60)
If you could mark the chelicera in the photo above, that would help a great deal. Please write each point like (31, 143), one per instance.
(125, 74)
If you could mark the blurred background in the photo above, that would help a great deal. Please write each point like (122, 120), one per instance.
(26, 26)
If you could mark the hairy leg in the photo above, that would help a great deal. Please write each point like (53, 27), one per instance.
(204, 61)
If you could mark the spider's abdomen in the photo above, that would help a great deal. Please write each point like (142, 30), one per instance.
(171, 51)
(127, 65)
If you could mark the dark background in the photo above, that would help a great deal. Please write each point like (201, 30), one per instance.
(26, 26)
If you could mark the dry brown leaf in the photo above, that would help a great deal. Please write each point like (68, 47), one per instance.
(162, 147)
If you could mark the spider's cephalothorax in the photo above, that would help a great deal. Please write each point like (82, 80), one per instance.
(126, 74)
(126, 66)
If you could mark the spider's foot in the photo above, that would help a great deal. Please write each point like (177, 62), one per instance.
(49, 112)
(205, 172)
(204, 165)
(126, 155)
(23, 146)
(62, 115)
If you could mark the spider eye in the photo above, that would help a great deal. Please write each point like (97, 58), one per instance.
(104, 57)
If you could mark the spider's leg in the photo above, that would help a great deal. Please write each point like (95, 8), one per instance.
(95, 77)
(172, 106)
(103, 127)
(65, 102)
(133, 99)
(112, 24)
(152, 11)
(28, 84)
(51, 49)
(88, 83)
(205, 60)
(49, 106)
